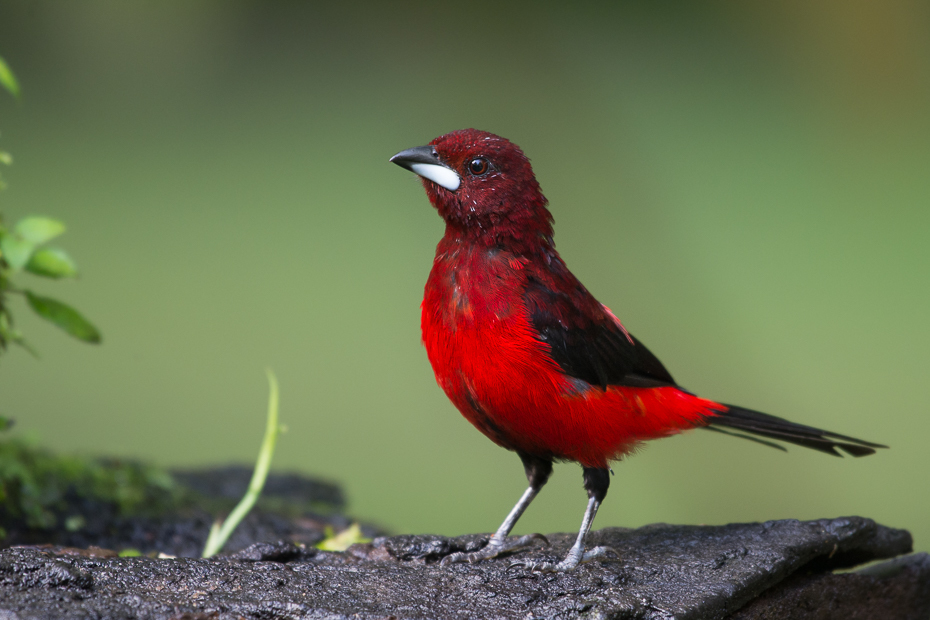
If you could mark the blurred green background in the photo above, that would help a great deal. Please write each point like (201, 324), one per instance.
(747, 185)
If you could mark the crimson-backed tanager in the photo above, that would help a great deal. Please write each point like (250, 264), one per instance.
(529, 356)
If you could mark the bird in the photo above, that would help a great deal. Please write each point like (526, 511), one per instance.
(531, 358)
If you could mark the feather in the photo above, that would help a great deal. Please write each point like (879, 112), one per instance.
(766, 425)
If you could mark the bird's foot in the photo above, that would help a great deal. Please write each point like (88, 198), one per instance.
(494, 548)
(571, 561)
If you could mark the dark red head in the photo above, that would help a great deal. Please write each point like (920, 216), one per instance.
(481, 184)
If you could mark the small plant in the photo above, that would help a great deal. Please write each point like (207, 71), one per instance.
(22, 248)
(222, 530)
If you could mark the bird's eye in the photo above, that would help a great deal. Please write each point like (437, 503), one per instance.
(478, 166)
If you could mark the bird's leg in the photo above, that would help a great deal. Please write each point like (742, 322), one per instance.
(537, 472)
(596, 482)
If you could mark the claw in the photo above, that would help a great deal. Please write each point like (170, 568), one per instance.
(600, 552)
(494, 548)
(570, 562)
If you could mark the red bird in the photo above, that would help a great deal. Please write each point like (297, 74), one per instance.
(529, 356)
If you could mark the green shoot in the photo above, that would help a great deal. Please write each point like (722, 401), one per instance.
(220, 532)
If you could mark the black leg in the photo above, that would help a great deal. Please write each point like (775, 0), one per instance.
(596, 482)
(537, 470)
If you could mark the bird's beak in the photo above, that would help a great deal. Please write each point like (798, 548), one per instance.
(424, 160)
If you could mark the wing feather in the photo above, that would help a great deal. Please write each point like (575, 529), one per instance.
(585, 339)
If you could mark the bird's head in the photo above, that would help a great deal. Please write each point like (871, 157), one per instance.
(481, 184)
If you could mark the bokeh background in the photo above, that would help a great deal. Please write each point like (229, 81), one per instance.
(747, 185)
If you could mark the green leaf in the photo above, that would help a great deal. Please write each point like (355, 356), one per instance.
(38, 230)
(17, 246)
(16, 250)
(7, 79)
(52, 263)
(6, 158)
(63, 316)
(343, 540)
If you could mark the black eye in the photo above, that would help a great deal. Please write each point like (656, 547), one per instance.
(478, 166)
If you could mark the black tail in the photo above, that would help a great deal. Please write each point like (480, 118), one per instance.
(769, 426)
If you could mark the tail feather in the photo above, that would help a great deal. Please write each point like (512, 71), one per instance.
(769, 426)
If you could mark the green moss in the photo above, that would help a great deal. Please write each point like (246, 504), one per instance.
(41, 488)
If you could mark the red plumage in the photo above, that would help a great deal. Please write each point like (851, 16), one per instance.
(527, 354)
(490, 361)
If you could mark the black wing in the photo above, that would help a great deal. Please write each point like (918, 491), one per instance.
(586, 342)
